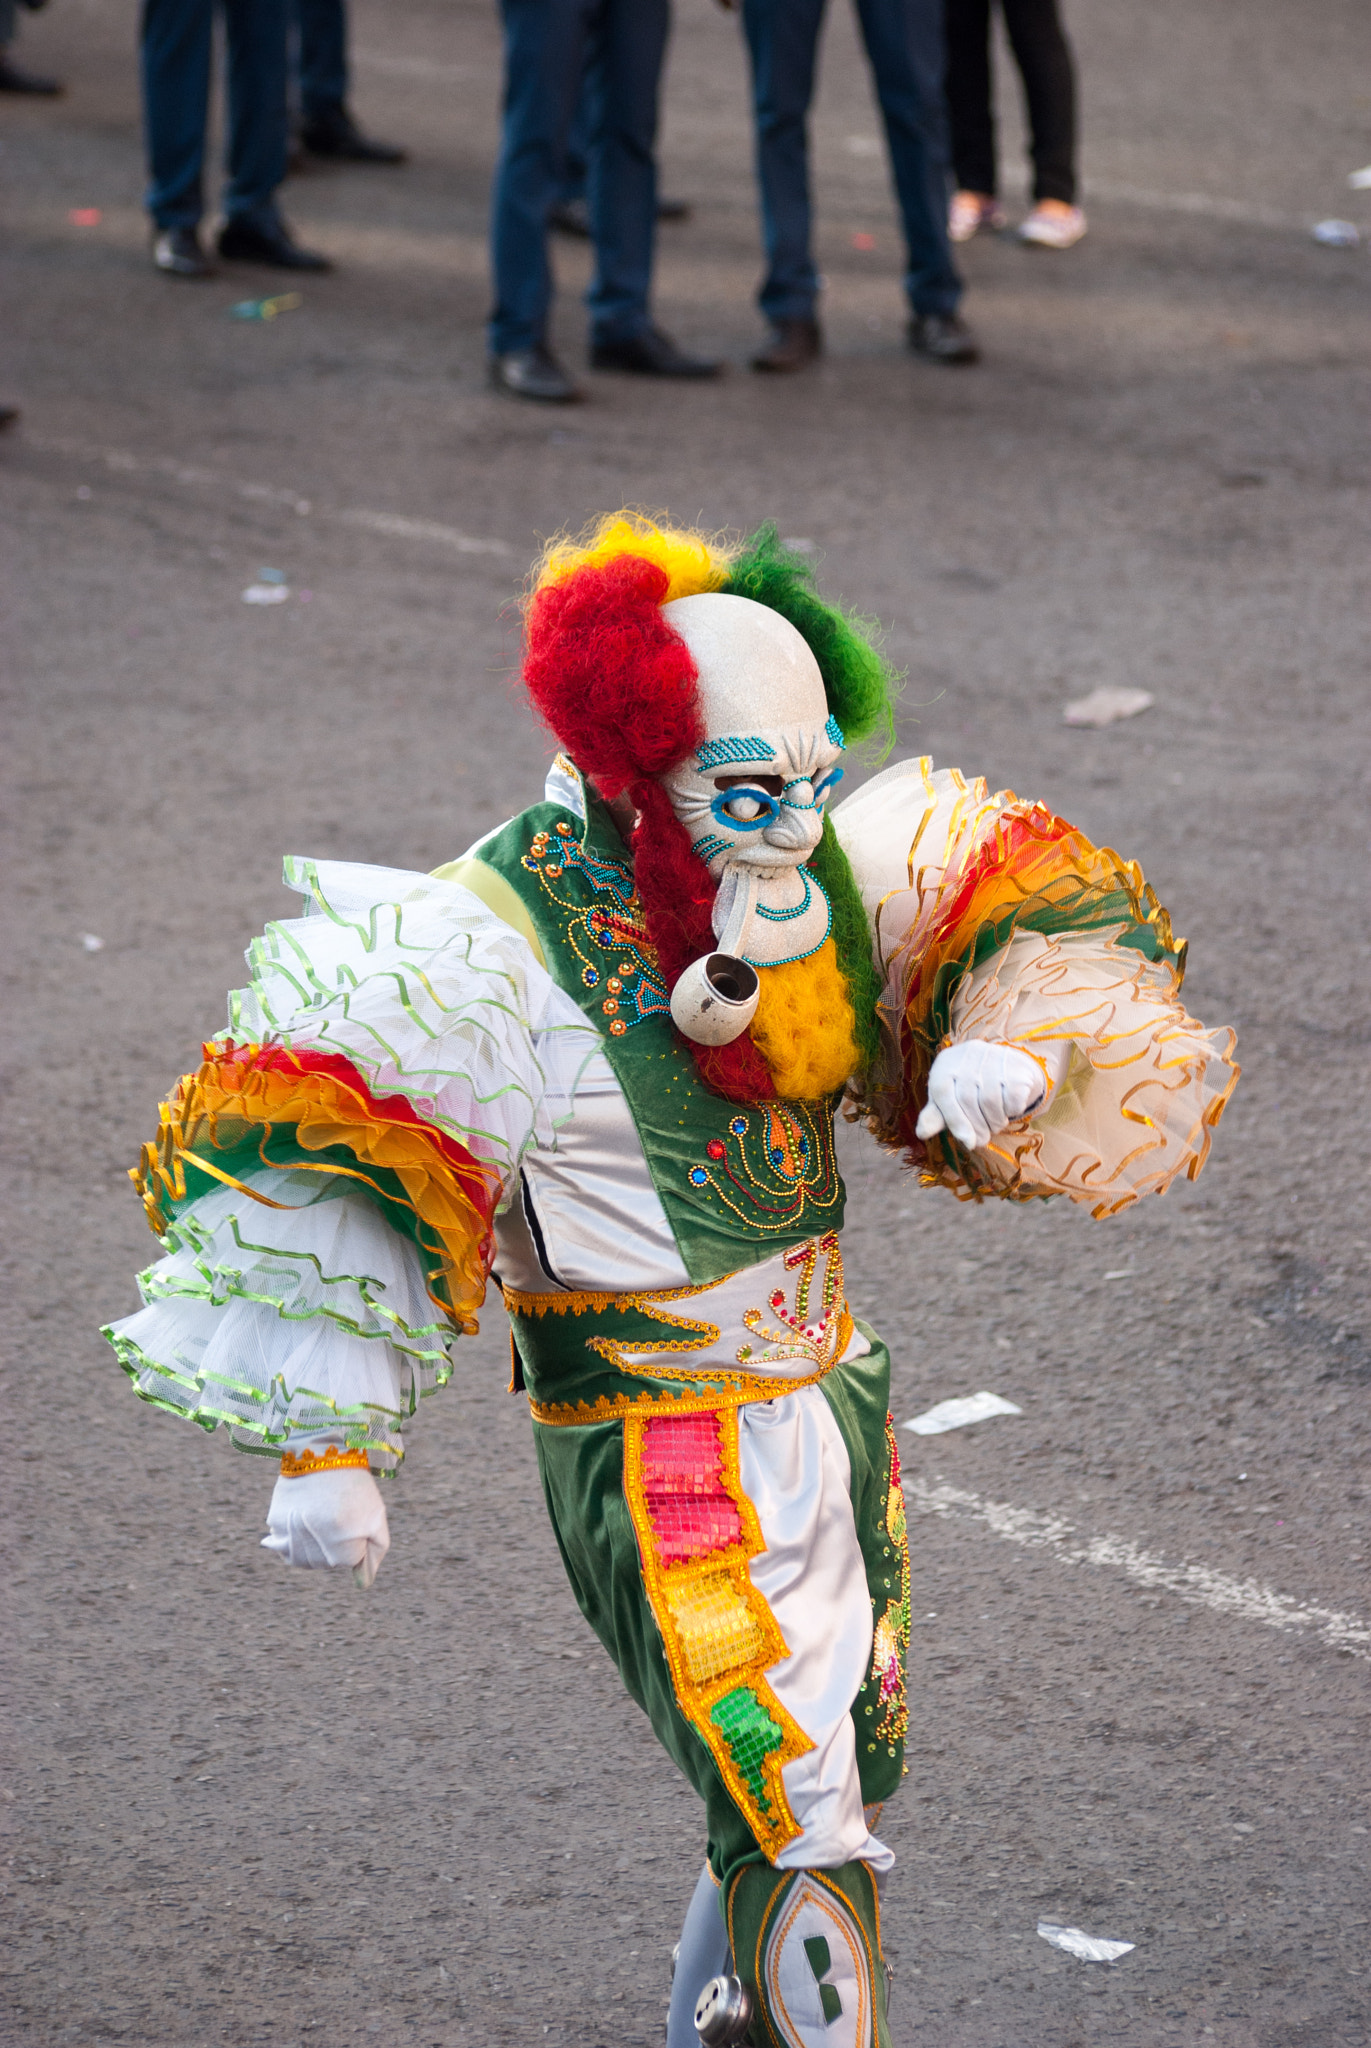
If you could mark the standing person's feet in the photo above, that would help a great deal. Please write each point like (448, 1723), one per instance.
(268, 242)
(334, 133)
(13, 78)
(1053, 225)
(969, 212)
(943, 338)
(177, 252)
(572, 216)
(651, 354)
(533, 373)
(791, 345)
(8, 415)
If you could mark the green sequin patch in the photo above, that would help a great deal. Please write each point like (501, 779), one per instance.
(752, 1736)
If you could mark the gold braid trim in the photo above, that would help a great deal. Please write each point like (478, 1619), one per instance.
(299, 1465)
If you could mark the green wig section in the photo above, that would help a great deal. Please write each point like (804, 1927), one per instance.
(859, 683)
(852, 937)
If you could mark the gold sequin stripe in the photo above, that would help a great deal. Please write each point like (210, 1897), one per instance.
(299, 1466)
(719, 1635)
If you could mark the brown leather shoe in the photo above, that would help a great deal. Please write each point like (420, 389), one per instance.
(791, 345)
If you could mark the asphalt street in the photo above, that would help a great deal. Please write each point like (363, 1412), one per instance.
(246, 1805)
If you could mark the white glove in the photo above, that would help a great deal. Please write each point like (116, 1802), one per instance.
(330, 1518)
(975, 1089)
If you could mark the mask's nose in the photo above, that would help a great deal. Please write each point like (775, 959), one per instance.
(800, 829)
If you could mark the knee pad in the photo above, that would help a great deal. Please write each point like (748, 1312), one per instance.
(806, 1943)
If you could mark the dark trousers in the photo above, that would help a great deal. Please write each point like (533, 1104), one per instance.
(550, 45)
(1043, 56)
(321, 30)
(177, 39)
(904, 45)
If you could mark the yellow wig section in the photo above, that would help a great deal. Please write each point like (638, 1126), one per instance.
(804, 1028)
(693, 561)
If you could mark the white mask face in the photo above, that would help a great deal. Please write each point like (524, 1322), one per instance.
(752, 798)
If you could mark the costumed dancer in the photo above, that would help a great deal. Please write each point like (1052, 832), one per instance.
(598, 1059)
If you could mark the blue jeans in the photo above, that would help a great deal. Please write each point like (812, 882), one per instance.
(321, 29)
(177, 38)
(904, 45)
(547, 45)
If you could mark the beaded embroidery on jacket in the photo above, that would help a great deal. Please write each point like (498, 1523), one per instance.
(637, 989)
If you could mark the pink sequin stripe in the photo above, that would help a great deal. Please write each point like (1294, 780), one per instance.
(683, 1486)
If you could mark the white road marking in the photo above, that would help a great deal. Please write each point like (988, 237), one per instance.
(1248, 1599)
(395, 524)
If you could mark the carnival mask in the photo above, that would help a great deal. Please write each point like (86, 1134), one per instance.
(752, 799)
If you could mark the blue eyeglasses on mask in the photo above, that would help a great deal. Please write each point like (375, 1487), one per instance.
(747, 807)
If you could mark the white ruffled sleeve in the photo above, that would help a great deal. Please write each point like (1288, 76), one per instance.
(400, 1027)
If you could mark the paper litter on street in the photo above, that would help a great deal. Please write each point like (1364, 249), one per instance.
(1360, 181)
(1088, 1947)
(1107, 705)
(1336, 234)
(956, 1413)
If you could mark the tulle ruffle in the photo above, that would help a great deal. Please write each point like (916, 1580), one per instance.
(282, 1321)
(1143, 1090)
(423, 989)
(996, 920)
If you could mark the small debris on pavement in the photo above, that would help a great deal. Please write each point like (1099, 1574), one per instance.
(863, 241)
(266, 593)
(1088, 1947)
(265, 309)
(271, 575)
(91, 943)
(955, 1414)
(1360, 181)
(1107, 705)
(85, 216)
(1336, 234)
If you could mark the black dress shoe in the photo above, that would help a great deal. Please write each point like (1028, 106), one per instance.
(177, 252)
(791, 345)
(943, 338)
(15, 79)
(533, 373)
(334, 133)
(267, 242)
(651, 354)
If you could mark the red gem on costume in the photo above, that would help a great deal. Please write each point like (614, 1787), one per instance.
(715, 1148)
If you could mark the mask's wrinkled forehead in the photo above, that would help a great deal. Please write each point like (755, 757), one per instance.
(757, 675)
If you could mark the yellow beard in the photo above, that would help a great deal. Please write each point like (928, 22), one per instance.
(804, 1028)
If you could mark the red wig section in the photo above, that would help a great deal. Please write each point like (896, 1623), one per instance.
(677, 893)
(609, 676)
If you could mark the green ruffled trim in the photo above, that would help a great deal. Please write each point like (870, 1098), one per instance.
(366, 1425)
(185, 1235)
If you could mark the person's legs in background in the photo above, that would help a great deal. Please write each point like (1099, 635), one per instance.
(1043, 56)
(904, 41)
(327, 127)
(258, 138)
(971, 117)
(782, 41)
(174, 57)
(544, 61)
(627, 50)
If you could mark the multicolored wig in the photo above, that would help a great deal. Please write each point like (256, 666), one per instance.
(617, 687)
